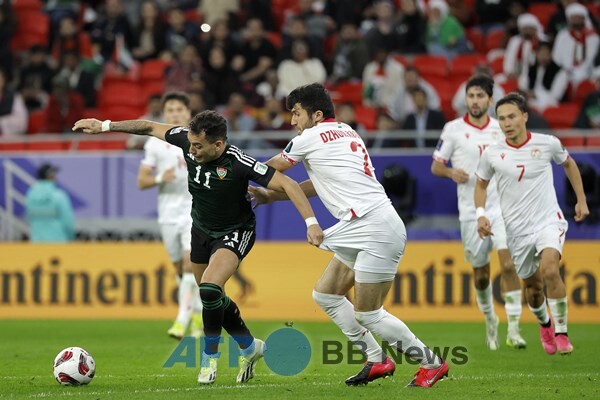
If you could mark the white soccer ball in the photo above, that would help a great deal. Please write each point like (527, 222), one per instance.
(74, 366)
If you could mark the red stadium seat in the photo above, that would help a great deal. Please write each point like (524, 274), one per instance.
(54, 145)
(511, 85)
(348, 92)
(562, 116)
(152, 88)
(121, 113)
(543, 12)
(13, 146)
(429, 66)
(476, 38)
(29, 5)
(153, 70)
(497, 65)
(37, 122)
(367, 116)
(121, 94)
(33, 28)
(593, 141)
(495, 40)
(583, 89)
(462, 66)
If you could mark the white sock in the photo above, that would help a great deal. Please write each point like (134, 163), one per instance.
(485, 301)
(188, 291)
(541, 313)
(513, 307)
(341, 311)
(396, 333)
(558, 309)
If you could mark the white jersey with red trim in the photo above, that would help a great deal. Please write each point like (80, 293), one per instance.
(339, 167)
(525, 182)
(462, 143)
(174, 199)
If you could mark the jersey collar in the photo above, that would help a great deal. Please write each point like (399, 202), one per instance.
(522, 144)
(466, 119)
(328, 120)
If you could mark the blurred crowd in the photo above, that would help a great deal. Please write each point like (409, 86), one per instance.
(62, 60)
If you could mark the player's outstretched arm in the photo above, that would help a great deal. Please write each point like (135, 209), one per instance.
(282, 183)
(484, 227)
(94, 126)
(574, 176)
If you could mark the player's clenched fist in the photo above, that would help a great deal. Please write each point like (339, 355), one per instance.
(484, 227)
(315, 235)
(91, 126)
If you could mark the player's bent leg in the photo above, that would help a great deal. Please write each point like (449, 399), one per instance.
(557, 299)
(371, 315)
(511, 293)
(329, 294)
(534, 290)
(485, 302)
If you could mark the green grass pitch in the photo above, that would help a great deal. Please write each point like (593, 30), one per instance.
(130, 355)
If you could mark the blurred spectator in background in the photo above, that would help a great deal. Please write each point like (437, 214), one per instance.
(237, 117)
(423, 119)
(48, 209)
(13, 113)
(80, 80)
(403, 102)
(221, 10)
(576, 45)
(269, 88)
(346, 113)
(186, 74)
(461, 10)
(149, 39)
(153, 113)
(35, 82)
(259, 54)
(558, 20)
(65, 107)
(491, 14)
(382, 80)
(219, 78)
(295, 29)
(382, 33)
(180, 32)
(317, 23)
(459, 100)
(70, 39)
(385, 124)
(273, 118)
(8, 26)
(589, 116)
(545, 83)
(220, 36)
(520, 50)
(346, 11)
(58, 10)
(445, 35)
(198, 102)
(350, 56)
(111, 23)
(300, 70)
(411, 28)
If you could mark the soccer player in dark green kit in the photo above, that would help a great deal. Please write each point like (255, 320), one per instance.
(223, 230)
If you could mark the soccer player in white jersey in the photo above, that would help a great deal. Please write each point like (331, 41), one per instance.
(535, 224)
(462, 142)
(163, 166)
(368, 241)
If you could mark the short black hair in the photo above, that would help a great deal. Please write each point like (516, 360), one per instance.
(211, 123)
(513, 98)
(484, 82)
(178, 96)
(311, 97)
(418, 89)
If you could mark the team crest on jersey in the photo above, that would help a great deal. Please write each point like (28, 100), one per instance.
(536, 154)
(502, 156)
(260, 168)
(467, 135)
(495, 135)
(221, 172)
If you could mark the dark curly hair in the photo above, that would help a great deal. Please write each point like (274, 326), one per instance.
(513, 98)
(211, 123)
(312, 97)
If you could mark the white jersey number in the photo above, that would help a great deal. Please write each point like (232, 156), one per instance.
(206, 174)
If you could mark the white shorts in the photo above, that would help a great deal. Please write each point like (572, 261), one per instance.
(477, 250)
(177, 238)
(371, 245)
(526, 249)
